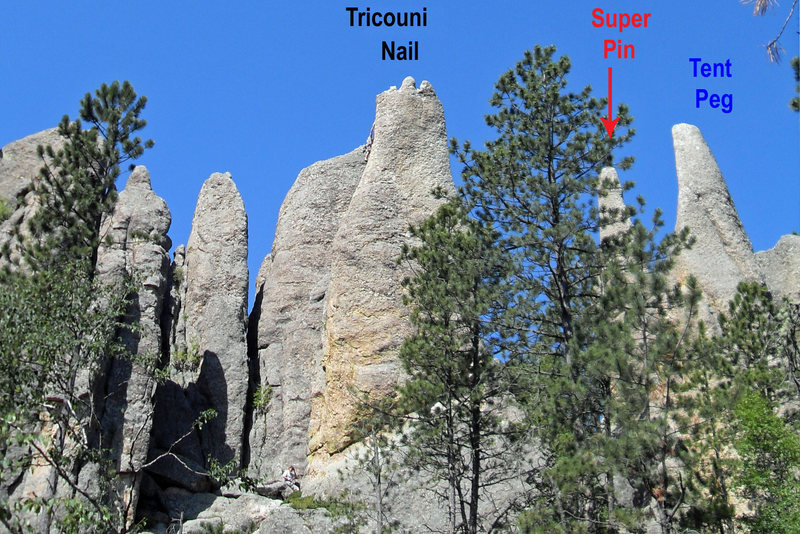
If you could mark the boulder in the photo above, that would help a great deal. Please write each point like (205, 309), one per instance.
(366, 320)
(215, 307)
(204, 512)
(287, 519)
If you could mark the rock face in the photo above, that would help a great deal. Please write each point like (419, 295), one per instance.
(722, 255)
(781, 267)
(204, 337)
(135, 245)
(365, 320)
(19, 165)
(215, 309)
(328, 318)
(286, 326)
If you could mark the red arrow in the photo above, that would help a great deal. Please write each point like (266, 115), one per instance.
(609, 123)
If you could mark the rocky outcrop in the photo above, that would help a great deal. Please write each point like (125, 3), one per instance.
(204, 341)
(329, 314)
(215, 307)
(135, 246)
(19, 165)
(781, 267)
(328, 318)
(205, 512)
(365, 320)
(287, 322)
(20, 162)
(722, 255)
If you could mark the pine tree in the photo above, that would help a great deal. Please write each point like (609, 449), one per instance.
(766, 471)
(53, 337)
(774, 48)
(745, 375)
(635, 359)
(457, 389)
(535, 184)
(60, 326)
(593, 325)
(794, 103)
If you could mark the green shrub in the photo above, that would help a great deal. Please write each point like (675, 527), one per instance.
(261, 397)
(298, 502)
(186, 360)
(5, 209)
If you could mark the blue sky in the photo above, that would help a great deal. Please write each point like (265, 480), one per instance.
(262, 89)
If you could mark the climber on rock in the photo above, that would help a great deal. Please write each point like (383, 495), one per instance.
(291, 479)
(368, 144)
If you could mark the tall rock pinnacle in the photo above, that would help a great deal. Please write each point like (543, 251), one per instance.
(365, 319)
(135, 244)
(215, 309)
(288, 318)
(611, 204)
(722, 255)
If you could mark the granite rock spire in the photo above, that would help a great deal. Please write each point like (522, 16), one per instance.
(365, 319)
(215, 308)
(722, 255)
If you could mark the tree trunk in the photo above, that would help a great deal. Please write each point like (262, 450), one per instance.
(610, 490)
(376, 465)
(475, 432)
(452, 502)
(452, 480)
(52, 476)
(562, 520)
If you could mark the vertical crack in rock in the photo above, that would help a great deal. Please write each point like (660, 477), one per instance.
(366, 321)
(254, 377)
(174, 321)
